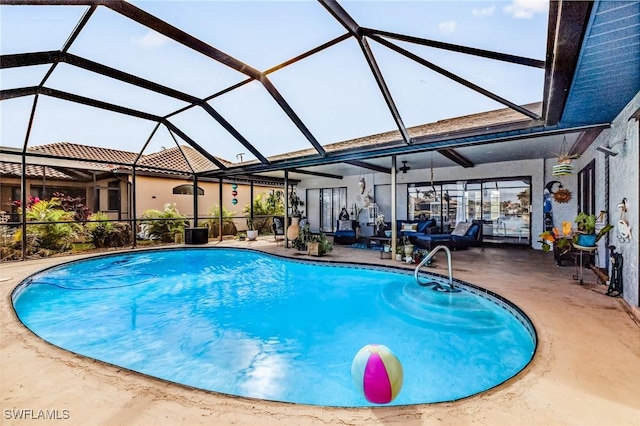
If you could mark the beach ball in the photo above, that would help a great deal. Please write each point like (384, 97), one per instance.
(377, 373)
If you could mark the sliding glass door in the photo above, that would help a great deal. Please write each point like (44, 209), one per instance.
(503, 206)
(506, 211)
(332, 200)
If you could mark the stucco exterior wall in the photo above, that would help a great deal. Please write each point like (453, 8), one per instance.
(624, 175)
(155, 193)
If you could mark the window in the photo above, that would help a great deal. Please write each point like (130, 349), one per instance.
(586, 186)
(503, 205)
(186, 189)
(114, 196)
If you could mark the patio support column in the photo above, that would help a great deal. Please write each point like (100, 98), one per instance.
(134, 215)
(23, 178)
(96, 202)
(195, 200)
(286, 207)
(23, 205)
(44, 182)
(394, 205)
(251, 199)
(220, 211)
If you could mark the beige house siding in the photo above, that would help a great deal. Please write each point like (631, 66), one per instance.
(155, 193)
(151, 193)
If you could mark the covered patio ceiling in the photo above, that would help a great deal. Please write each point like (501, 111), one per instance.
(581, 39)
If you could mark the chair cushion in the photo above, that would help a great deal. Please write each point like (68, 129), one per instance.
(345, 225)
(434, 237)
(461, 229)
(277, 223)
(423, 225)
(409, 227)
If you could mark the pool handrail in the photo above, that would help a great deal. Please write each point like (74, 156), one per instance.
(428, 257)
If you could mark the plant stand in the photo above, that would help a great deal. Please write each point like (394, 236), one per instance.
(579, 262)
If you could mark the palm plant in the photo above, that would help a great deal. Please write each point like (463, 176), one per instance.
(228, 227)
(55, 228)
(265, 206)
(163, 225)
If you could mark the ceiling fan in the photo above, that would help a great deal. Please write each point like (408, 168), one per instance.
(404, 167)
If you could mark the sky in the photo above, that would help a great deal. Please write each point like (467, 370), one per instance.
(333, 92)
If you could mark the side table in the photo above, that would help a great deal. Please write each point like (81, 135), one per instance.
(579, 262)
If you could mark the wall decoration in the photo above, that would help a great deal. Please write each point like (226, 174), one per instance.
(564, 166)
(234, 193)
(562, 195)
(362, 184)
(623, 228)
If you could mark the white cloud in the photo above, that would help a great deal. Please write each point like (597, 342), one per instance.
(485, 11)
(150, 40)
(447, 27)
(526, 9)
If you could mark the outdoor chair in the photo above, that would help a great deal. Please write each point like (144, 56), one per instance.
(346, 232)
(278, 228)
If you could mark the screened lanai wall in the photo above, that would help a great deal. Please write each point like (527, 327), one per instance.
(316, 79)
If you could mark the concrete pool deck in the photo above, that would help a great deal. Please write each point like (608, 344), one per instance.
(586, 369)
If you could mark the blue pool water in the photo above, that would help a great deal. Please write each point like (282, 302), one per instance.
(250, 324)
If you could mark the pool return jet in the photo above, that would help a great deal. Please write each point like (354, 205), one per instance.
(436, 286)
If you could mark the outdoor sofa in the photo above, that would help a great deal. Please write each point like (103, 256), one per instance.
(464, 235)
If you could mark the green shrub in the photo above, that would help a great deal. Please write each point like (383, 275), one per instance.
(49, 236)
(264, 207)
(228, 227)
(163, 225)
(106, 233)
(99, 232)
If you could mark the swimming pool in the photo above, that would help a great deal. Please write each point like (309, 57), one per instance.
(257, 325)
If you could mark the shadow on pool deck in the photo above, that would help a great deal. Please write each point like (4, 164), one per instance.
(584, 372)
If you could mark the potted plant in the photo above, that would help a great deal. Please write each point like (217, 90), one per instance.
(380, 226)
(241, 236)
(586, 235)
(399, 252)
(553, 237)
(318, 245)
(252, 232)
(300, 243)
(408, 247)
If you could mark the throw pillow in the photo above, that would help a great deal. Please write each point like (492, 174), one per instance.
(409, 226)
(461, 229)
(344, 225)
(278, 224)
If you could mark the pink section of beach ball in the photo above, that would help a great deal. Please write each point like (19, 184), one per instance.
(377, 373)
(377, 388)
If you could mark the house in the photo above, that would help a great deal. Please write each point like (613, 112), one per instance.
(103, 179)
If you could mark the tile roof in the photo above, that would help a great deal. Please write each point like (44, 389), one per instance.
(171, 158)
(85, 152)
(174, 159)
(14, 169)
